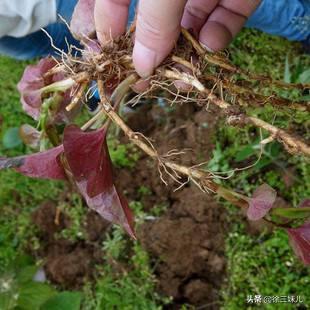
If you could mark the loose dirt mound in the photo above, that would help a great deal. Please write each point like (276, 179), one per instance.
(67, 263)
(186, 243)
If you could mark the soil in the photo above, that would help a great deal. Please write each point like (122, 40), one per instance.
(68, 263)
(186, 243)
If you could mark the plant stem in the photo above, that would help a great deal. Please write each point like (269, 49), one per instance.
(76, 99)
(293, 144)
(199, 176)
(222, 62)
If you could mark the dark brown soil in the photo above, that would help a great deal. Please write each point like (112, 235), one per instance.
(186, 243)
(67, 263)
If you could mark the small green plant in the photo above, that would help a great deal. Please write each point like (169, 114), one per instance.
(133, 286)
(144, 191)
(123, 156)
(76, 211)
(262, 266)
(23, 286)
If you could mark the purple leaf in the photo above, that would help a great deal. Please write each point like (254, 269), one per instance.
(111, 206)
(30, 136)
(30, 88)
(300, 237)
(305, 203)
(44, 165)
(261, 202)
(89, 160)
(83, 20)
(31, 83)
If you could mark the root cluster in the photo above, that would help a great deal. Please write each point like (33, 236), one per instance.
(189, 75)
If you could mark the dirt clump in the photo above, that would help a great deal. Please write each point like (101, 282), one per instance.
(68, 263)
(186, 243)
(188, 249)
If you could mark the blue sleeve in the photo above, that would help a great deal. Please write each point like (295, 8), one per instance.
(37, 44)
(132, 11)
(285, 18)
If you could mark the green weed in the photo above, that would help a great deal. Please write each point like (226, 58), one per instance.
(122, 156)
(130, 284)
(19, 195)
(262, 266)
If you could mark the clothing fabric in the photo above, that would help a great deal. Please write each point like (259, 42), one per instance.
(29, 43)
(19, 18)
(286, 18)
(37, 44)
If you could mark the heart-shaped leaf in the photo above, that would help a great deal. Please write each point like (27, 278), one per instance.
(89, 161)
(300, 237)
(88, 158)
(300, 240)
(32, 84)
(261, 202)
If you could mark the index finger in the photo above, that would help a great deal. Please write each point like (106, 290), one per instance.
(157, 30)
(111, 18)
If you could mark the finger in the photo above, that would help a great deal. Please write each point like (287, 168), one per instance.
(111, 18)
(225, 22)
(158, 28)
(196, 13)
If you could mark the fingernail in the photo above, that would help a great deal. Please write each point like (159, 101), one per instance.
(144, 59)
(206, 47)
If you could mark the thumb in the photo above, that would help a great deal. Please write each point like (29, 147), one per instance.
(158, 28)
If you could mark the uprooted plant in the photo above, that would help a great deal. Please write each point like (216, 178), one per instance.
(53, 93)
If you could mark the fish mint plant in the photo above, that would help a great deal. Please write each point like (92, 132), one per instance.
(53, 92)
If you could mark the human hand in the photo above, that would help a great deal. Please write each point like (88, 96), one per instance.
(215, 23)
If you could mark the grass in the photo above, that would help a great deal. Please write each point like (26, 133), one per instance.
(264, 264)
(19, 195)
(260, 265)
(128, 281)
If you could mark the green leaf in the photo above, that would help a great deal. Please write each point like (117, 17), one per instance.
(287, 71)
(32, 295)
(305, 98)
(304, 77)
(264, 162)
(26, 274)
(245, 153)
(7, 301)
(64, 300)
(292, 213)
(22, 261)
(11, 138)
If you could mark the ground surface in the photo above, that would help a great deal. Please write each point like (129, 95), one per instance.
(190, 246)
